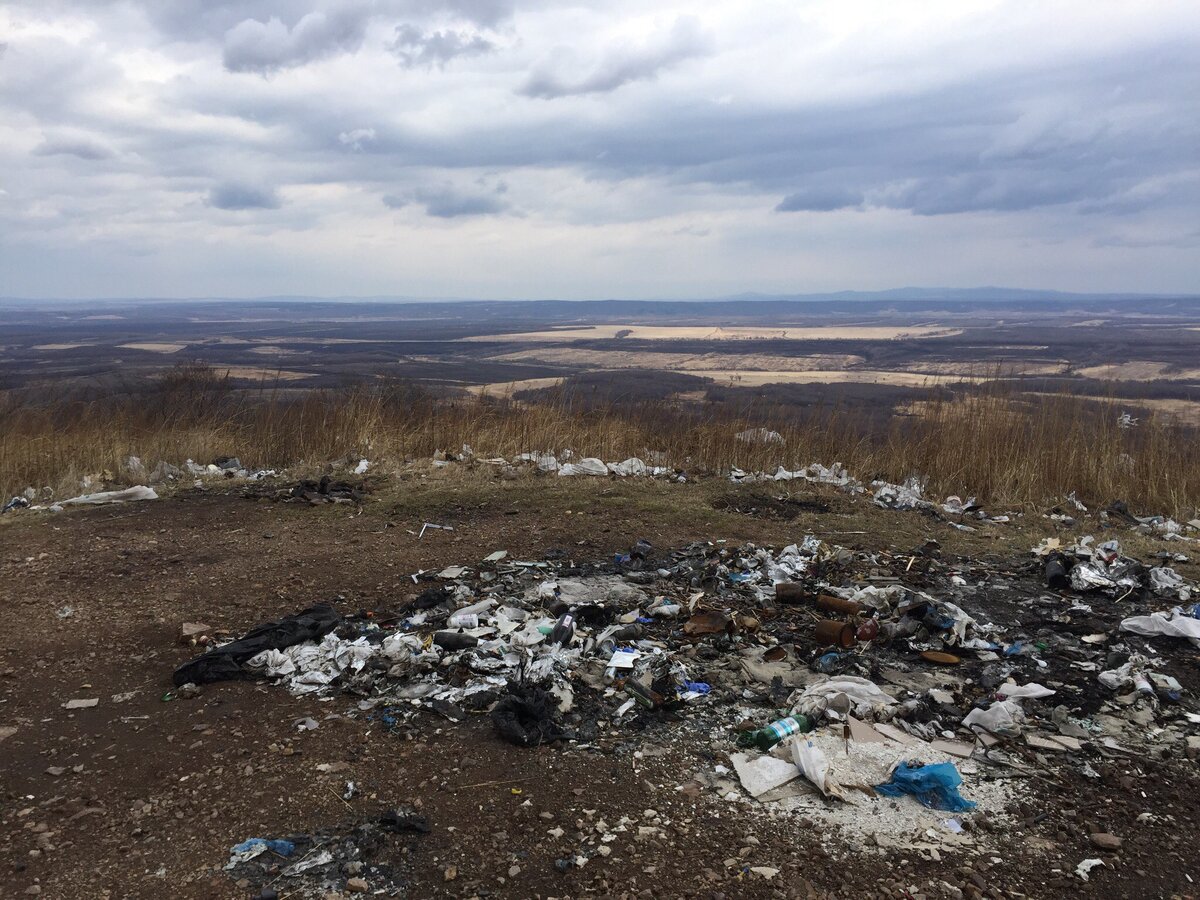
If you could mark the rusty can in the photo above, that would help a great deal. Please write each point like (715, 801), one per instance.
(830, 633)
(829, 603)
(868, 630)
(790, 592)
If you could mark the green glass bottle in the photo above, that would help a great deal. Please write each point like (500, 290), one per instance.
(766, 738)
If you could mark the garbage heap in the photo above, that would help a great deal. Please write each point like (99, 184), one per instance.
(905, 698)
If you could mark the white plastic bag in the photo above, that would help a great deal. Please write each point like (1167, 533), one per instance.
(812, 762)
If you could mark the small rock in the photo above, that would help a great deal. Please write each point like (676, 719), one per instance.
(1106, 841)
(357, 886)
(193, 633)
(450, 873)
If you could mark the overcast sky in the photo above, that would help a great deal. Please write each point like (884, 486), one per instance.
(502, 148)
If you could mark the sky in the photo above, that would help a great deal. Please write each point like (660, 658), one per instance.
(513, 149)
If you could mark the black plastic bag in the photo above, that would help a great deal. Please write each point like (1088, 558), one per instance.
(525, 717)
(225, 663)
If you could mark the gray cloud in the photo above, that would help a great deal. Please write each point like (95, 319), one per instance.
(819, 199)
(446, 202)
(416, 48)
(120, 113)
(236, 196)
(265, 47)
(79, 145)
(622, 65)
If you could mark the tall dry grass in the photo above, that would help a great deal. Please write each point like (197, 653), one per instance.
(995, 443)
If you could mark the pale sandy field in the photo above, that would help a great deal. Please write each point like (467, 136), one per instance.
(1139, 370)
(154, 346)
(718, 333)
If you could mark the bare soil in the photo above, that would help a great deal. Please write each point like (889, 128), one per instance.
(153, 793)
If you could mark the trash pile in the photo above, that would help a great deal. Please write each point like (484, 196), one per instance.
(361, 857)
(564, 464)
(314, 492)
(902, 699)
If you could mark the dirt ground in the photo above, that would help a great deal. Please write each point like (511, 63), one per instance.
(152, 794)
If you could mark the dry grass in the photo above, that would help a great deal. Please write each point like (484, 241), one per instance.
(1003, 447)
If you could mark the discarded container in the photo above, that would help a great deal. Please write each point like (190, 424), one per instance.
(463, 620)
(707, 622)
(830, 633)
(790, 592)
(452, 640)
(868, 630)
(1057, 578)
(829, 603)
(766, 738)
(831, 663)
(564, 630)
(940, 658)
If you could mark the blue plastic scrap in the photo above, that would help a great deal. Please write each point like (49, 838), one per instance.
(934, 785)
(283, 848)
(698, 686)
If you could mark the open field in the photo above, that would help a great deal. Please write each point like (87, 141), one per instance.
(625, 359)
(155, 346)
(771, 363)
(754, 378)
(722, 333)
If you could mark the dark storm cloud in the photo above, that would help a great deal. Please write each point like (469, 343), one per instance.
(236, 196)
(621, 65)
(416, 48)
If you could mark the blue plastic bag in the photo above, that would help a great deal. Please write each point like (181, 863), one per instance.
(935, 786)
(283, 848)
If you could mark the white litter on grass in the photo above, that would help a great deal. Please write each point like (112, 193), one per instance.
(759, 436)
(587, 466)
(138, 492)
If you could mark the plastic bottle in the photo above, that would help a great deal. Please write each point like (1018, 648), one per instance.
(463, 620)
(564, 630)
(766, 738)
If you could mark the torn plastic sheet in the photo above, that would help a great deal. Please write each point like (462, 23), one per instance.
(934, 785)
(587, 466)
(1004, 717)
(1166, 582)
(128, 495)
(815, 767)
(1159, 624)
(866, 699)
(900, 496)
(248, 850)
(310, 666)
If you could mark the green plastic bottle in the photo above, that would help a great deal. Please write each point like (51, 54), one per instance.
(766, 738)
